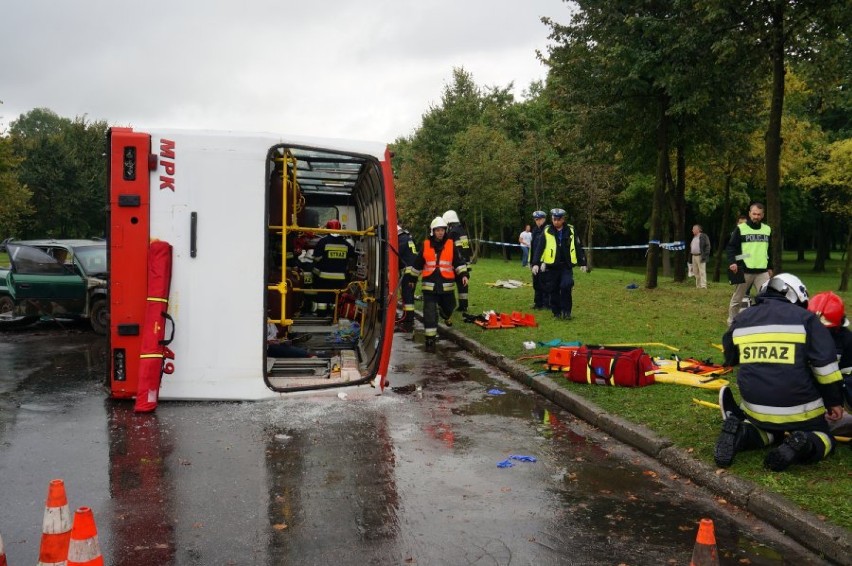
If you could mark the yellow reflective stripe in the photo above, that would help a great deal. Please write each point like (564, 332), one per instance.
(429, 332)
(427, 286)
(337, 247)
(157, 299)
(781, 415)
(771, 329)
(826, 443)
(143, 356)
(825, 379)
(788, 337)
(328, 275)
(408, 308)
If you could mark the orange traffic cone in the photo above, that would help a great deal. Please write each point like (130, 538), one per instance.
(56, 528)
(84, 549)
(2, 553)
(704, 552)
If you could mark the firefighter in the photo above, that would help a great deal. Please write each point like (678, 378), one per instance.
(439, 264)
(832, 313)
(540, 296)
(457, 234)
(408, 279)
(332, 257)
(557, 253)
(789, 379)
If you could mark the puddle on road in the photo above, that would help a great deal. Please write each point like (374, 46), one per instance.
(410, 476)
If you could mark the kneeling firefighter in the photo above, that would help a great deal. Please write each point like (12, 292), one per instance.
(438, 264)
(789, 379)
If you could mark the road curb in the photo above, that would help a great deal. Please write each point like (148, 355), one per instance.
(825, 539)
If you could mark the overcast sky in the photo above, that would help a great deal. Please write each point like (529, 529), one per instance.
(365, 69)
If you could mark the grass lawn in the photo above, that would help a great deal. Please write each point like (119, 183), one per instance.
(675, 314)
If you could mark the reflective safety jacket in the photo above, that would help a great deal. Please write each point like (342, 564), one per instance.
(332, 256)
(750, 244)
(439, 263)
(788, 366)
(555, 248)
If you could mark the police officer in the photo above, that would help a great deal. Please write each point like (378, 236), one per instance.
(557, 253)
(748, 255)
(439, 264)
(332, 257)
(540, 296)
(408, 279)
(458, 235)
(789, 379)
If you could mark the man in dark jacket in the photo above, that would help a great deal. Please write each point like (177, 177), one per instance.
(457, 233)
(332, 257)
(408, 280)
(788, 378)
(558, 251)
(699, 249)
(540, 295)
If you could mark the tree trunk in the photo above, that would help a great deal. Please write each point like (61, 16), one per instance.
(590, 253)
(847, 265)
(821, 247)
(773, 139)
(724, 234)
(654, 231)
(679, 215)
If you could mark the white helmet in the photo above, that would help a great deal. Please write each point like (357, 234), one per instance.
(450, 217)
(788, 285)
(438, 222)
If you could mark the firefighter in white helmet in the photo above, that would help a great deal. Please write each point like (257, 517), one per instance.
(789, 380)
(458, 235)
(438, 264)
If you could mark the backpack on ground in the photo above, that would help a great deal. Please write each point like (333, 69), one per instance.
(627, 367)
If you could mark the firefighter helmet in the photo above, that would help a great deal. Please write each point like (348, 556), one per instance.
(829, 308)
(333, 224)
(450, 217)
(539, 214)
(789, 286)
(438, 222)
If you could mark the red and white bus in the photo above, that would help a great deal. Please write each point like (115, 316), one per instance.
(239, 213)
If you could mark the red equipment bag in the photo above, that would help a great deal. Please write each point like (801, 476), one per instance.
(154, 349)
(630, 367)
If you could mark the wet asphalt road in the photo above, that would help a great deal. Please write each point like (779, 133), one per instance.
(408, 477)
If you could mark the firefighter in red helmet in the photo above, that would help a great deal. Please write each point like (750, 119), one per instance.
(832, 313)
(332, 257)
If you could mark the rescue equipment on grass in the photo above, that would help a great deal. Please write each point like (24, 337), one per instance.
(491, 320)
(624, 368)
(84, 549)
(56, 527)
(154, 349)
(691, 372)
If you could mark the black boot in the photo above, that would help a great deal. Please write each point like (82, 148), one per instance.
(796, 447)
(431, 344)
(730, 441)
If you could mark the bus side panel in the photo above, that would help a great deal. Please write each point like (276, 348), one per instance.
(393, 266)
(211, 208)
(129, 223)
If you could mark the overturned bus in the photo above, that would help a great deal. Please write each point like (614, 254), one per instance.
(210, 240)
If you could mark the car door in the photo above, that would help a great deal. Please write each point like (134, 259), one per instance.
(38, 278)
